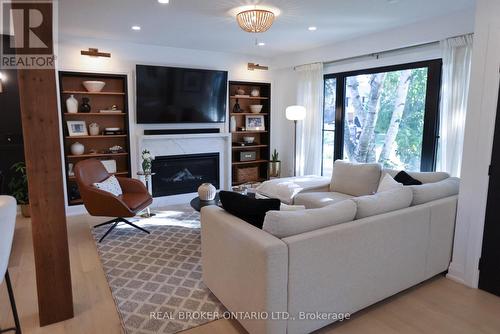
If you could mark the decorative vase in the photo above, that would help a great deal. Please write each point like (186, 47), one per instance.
(237, 108)
(255, 92)
(85, 107)
(77, 149)
(233, 124)
(94, 129)
(274, 169)
(207, 192)
(71, 104)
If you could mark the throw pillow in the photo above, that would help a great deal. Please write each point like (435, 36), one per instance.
(110, 185)
(355, 179)
(249, 209)
(388, 183)
(405, 178)
(283, 224)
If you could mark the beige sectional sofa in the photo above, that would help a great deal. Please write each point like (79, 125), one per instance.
(331, 258)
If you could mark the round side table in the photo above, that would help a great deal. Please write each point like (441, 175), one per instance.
(146, 179)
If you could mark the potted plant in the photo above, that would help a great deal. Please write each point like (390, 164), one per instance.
(275, 165)
(18, 186)
(147, 161)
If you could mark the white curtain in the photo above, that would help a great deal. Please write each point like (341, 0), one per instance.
(309, 140)
(457, 58)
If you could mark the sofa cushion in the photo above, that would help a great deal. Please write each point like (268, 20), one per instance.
(287, 223)
(388, 183)
(382, 202)
(249, 209)
(432, 191)
(287, 207)
(406, 179)
(355, 179)
(315, 200)
(424, 177)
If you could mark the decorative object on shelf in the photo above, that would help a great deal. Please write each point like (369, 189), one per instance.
(147, 161)
(248, 139)
(247, 174)
(256, 108)
(18, 187)
(255, 20)
(113, 131)
(77, 148)
(70, 169)
(207, 192)
(110, 165)
(237, 108)
(248, 156)
(112, 110)
(93, 151)
(116, 149)
(94, 52)
(94, 86)
(240, 128)
(240, 91)
(233, 124)
(94, 129)
(275, 165)
(254, 123)
(77, 128)
(295, 113)
(72, 104)
(253, 66)
(85, 107)
(255, 92)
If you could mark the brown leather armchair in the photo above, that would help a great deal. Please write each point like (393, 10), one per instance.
(102, 203)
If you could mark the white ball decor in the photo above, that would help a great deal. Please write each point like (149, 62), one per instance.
(207, 192)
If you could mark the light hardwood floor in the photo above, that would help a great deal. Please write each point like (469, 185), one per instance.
(436, 306)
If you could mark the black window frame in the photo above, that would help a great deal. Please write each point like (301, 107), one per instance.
(430, 136)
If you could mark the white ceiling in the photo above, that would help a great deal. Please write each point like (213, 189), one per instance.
(207, 24)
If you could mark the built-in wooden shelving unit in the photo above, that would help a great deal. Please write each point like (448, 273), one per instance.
(255, 170)
(113, 93)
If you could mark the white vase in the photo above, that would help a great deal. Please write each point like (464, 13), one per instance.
(207, 192)
(233, 124)
(94, 129)
(77, 149)
(71, 105)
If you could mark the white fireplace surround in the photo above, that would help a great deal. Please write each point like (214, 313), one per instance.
(180, 144)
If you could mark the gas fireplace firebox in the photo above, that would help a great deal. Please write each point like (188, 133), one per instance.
(182, 174)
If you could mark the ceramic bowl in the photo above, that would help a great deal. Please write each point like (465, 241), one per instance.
(94, 86)
(248, 140)
(256, 108)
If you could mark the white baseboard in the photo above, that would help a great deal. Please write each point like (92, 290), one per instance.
(456, 273)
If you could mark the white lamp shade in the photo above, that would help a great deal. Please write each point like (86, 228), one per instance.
(295, 113)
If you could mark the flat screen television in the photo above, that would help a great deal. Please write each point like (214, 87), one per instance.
(180, 95)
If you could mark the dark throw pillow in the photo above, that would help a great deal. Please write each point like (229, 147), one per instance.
(249, 209)
(406, 179)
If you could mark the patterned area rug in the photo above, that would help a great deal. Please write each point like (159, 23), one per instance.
(155, 279)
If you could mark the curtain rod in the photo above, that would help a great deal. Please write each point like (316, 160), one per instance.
(378, 54)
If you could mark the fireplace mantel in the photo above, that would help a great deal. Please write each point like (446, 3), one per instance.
(196, 143)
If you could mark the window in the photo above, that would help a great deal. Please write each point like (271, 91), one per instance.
(387, 115)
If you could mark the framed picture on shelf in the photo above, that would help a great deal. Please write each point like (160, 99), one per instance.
(254, 123)
(77, 128)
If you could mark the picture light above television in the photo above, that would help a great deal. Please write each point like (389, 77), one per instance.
(180, 95)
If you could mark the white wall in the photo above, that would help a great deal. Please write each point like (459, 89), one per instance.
(483, 95)
(124, 57)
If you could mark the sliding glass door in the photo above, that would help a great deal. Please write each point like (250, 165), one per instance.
(386, 115)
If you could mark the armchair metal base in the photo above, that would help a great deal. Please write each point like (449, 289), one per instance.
(16, 329)
(115, 223)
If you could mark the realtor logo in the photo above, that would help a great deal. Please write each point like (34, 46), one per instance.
(30, 26)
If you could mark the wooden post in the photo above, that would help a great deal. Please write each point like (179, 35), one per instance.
(39, 114)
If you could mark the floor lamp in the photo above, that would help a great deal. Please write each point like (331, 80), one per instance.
(295, 113)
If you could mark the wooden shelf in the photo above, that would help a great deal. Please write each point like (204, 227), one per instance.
(118, 173)
(260, 179)
(95, 114)
(96, 137)
(96, 155)
(249, 162)
(248, 114)
(249, 97)
(237, 148)
(242, 132)
(78, 92)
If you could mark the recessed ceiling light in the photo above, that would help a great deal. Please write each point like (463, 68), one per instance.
(312, 28)
(164, 2)
(261, 44)
(136, 28)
